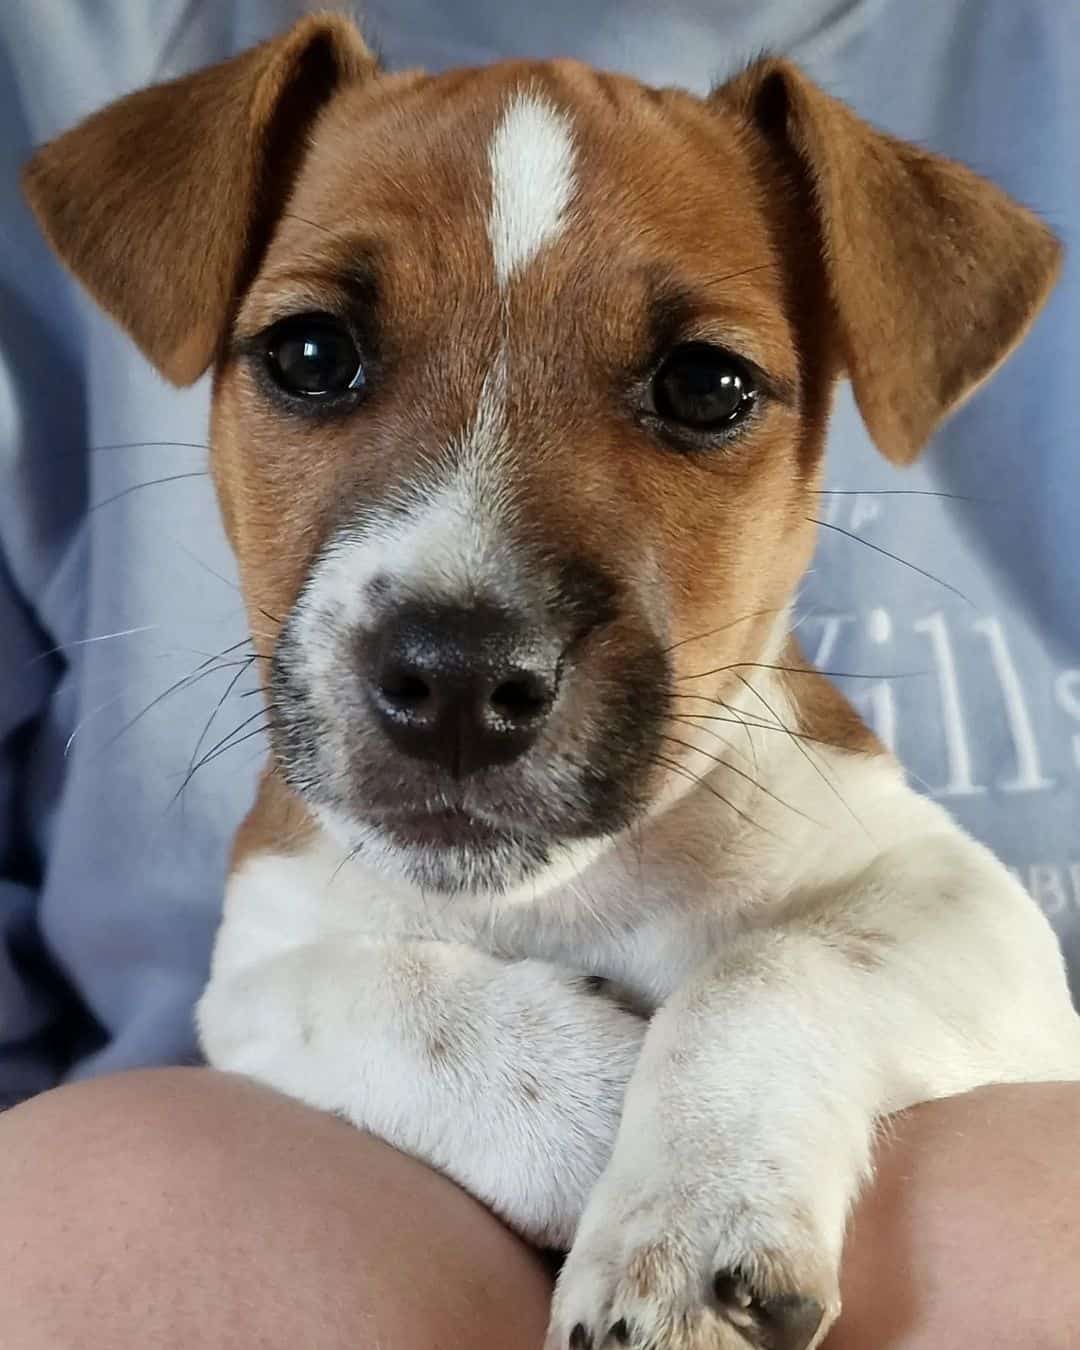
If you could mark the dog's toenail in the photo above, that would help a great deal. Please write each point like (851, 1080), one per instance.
(580, 1338)
(732, 1292)
(791, 1319)
(784, 1322)
(620, 1332)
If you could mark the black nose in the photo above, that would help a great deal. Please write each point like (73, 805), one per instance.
(467, 688)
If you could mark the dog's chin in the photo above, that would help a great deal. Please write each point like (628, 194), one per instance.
(449, 852)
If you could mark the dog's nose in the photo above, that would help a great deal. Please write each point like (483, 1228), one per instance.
(468, 689)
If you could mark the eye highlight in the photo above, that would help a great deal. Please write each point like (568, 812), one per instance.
(702, 388)
(313, 356)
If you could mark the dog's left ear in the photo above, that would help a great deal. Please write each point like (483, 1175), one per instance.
(161, 203)
(934, 274)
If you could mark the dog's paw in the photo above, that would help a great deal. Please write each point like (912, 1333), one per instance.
(670, 1275)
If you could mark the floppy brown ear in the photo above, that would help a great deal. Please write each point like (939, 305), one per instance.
(161, 202)
(934, 274)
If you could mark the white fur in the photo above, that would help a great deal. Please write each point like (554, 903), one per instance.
(850, 953)
(440, 540)
(531, 158)
(433, 1044)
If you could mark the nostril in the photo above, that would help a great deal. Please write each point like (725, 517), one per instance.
(521, 698)
(404, 688)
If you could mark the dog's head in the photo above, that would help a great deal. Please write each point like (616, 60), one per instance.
(521, 378)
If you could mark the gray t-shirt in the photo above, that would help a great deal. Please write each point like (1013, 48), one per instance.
(115, 588)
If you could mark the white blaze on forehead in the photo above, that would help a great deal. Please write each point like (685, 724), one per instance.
(532, 181)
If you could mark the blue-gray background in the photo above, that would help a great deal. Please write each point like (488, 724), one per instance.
(109, 888)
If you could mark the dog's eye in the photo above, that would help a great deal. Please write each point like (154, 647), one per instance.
(702, 387)
(313, 356)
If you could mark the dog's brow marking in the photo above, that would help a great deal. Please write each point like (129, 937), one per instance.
(532, 181)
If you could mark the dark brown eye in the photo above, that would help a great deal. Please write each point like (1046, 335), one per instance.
(702, 387)
(313, 356)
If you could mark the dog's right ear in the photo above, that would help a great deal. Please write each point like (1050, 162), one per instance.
(162, 202)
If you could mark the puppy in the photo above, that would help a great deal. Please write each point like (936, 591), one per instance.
(567, 875)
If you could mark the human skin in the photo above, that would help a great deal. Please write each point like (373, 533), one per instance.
(182, 1207)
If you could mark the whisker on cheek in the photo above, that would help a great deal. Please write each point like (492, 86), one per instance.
(885, 553)
(91, 641)
(201, 672)
(244, 667)
(736, 716)
(138, 487)
(799, 670)
(694, 719)
(673, 766)
(227, 743)
(740, 773)
(797, 742)
(907, 492)
(144, 445)
(724, 628)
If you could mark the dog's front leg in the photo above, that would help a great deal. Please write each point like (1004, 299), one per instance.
(507, 1076)
(749, 1122)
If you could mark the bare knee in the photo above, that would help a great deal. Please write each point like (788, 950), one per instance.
(971, 1232)
(185, 1207)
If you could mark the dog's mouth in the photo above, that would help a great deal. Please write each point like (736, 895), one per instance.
(453, 850)
(450, 828)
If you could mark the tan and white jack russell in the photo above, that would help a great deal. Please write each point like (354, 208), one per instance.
(567, 875)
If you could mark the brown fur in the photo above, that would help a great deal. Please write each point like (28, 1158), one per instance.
(159, 202)
(934, 273)
(786, 228)
(823, 713)
(278, 822)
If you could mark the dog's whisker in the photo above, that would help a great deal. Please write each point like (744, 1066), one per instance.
(723, 628)
(227, 743)
(904, 562)
(694, 718)
(575, 884)
(745, 720)
(146, 445)
(81, 451)
(244, 666)
(90, 641)
(90, 717)
(749, 778)
(188, 682)
(673, 766)
(200, 672)
(736, 718)
(908, 492)
(209, 758)
(800, 670)
(347, 857)
(201, 562)
(152, 482)
(797, 742)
